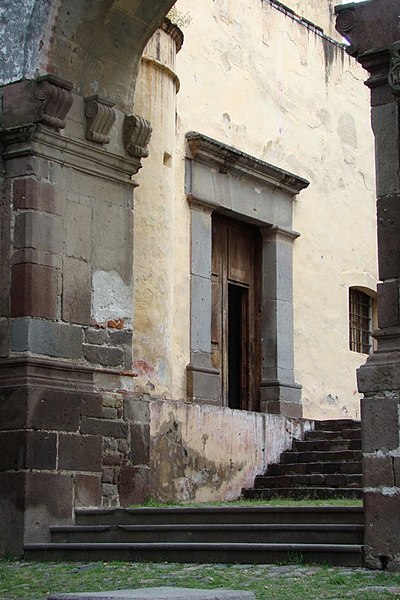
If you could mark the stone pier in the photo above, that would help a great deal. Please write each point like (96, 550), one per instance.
(372, 29)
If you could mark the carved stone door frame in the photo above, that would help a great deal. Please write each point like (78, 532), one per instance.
(221, 178)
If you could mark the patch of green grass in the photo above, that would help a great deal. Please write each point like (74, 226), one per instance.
(22, 580)
(274, 502)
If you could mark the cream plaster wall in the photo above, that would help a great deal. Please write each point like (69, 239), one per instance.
(319, 12)
(203, 453)
(258, 80)
(254, 78)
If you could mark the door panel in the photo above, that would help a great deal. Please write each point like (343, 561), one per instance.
(236, 270)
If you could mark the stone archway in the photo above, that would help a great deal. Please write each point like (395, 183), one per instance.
(70, 144)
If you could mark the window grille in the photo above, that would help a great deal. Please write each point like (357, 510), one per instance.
(360, 321)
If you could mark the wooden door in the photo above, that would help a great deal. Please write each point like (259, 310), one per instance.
(235, 336)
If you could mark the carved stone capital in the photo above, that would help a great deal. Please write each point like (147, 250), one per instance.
(136, 135)
(56, 99)
(100, 117)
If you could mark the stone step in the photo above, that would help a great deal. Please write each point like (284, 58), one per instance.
(220, 514)
(319, 434)
(290, 457)
(337, 424)
(317, 467)
(219, 533)
(333, 554)
(309, 480)
(302, 493)
(326, 445)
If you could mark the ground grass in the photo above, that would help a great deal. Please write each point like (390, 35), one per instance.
(21, 580)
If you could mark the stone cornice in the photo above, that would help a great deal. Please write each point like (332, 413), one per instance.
(78, 154)
(227, 159)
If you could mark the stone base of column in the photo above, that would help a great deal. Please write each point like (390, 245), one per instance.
(281, 398)
(47, 465)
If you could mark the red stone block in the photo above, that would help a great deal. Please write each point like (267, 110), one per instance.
(31, 193)
(133, 485)
(33, 291)
(87, 490)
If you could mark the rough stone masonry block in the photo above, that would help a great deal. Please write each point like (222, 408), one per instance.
(382, 532)
(103, 355)
(33, 291)
(140, 443)
(136, 410)
(388, 305)
(79, 452)
(76, 297)
(48, 500)
(12, 504)
(45, 337)
(53, 409)
(28, 450)
(160, 593)
(38, 230)
(105, 427)
(388, 210)
(79, 230)
(377, 471)
(380, 428)
(4, 337)
(385, 125)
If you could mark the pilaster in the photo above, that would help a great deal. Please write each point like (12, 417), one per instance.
(66, 303)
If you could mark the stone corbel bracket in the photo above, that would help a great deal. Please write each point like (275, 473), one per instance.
(55, 96)
(100, 117)
(345, 24)
(394, 74)
(136, 135)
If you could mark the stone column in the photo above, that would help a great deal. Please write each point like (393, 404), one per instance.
(372, 28)
(154, 226)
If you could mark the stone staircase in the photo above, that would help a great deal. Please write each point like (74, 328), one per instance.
(327, 464)
(241, 534)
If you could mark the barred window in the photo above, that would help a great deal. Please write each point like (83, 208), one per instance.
(360, 321)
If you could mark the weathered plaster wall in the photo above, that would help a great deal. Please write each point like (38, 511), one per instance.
(202, 453)
(320, 13)
(260, 81)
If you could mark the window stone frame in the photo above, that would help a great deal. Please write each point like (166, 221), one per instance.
(223, 179)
